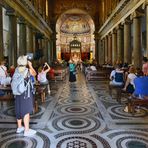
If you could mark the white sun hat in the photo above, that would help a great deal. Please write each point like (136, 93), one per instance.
(22, 60)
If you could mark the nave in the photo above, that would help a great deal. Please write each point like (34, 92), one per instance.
(77, 115)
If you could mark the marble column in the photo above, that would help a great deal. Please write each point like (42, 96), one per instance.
(110, 48)
(40, 6)
(127, 42)
(106, 51)
(12, 47)
(1, 34)
(97, 47)
(101, 52)
(146, 28)
(53, 40)
(51, 50)
(120, 43)
(137, 53)
(30, 39)
(22, 37)
(114, 47)
(44, 43)
(48, 52)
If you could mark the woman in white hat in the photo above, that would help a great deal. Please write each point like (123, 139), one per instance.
(23, 102)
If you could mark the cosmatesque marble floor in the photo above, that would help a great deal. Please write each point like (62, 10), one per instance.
(77, 115)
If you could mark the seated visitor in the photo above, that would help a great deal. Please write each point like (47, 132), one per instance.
(42, 72)
(87, 69)
(4, 78)
(11, 70)
(145, 66)
(139, 72)
(141, 87)
(117, 76)
(93, 68)
(129, 84)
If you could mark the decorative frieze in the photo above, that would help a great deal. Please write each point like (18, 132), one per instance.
(31, 15)
(121, 12)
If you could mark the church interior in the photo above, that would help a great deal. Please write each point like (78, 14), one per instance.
(87, 113)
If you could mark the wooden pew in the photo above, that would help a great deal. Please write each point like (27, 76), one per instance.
(41, 90)
(135, 101)
(8, 96)
(7, 93)
(101, 74)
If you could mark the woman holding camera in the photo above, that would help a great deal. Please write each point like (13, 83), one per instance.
(42, 72)
(24, 102)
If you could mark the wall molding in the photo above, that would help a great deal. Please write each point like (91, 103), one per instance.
(124, 9)
(30, 14)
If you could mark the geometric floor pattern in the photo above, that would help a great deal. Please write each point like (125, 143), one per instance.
(77, 115)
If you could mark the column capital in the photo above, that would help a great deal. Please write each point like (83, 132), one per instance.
(96, 35)
(114, 31)
(136, 14)
(10, 12)
(21, 20)
(146, 2)
(120, 26)
(109, 34)
(126, 22)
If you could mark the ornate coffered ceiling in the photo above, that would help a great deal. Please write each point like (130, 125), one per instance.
(91, 7)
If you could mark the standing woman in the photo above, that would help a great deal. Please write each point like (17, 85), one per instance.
(72, 70)
(23, 102)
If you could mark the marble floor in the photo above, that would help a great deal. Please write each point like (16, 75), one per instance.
(77, 115)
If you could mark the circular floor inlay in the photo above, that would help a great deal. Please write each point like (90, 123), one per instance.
(75, 100)
(136, 144)
(75, 109)
(76, 142)
(76, 122)
(17, 144)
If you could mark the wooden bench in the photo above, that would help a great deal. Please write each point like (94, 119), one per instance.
(135, 101)
(41, 90)
(60, 74)
(7, 93)
(97, 75)
(6, 97)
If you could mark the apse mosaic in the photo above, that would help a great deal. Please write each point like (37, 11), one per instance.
(77, 115)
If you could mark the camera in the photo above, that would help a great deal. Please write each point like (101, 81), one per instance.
(29, 56)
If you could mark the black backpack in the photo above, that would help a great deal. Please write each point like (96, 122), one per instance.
(119, 77)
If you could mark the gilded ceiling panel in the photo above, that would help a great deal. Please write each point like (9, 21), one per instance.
(90, 6)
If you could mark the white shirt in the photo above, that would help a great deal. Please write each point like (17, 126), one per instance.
(131, 76)
(3, 70)
(42, 77)
(93, 68)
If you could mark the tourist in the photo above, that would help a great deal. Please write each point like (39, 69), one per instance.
(4, 77)
(42, 75)
(72, 70)
(117, 76)
(129, 84)
(23, 102)
(145, 66)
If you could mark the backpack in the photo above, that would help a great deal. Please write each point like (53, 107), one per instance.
(19, 84)
(119, 77)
